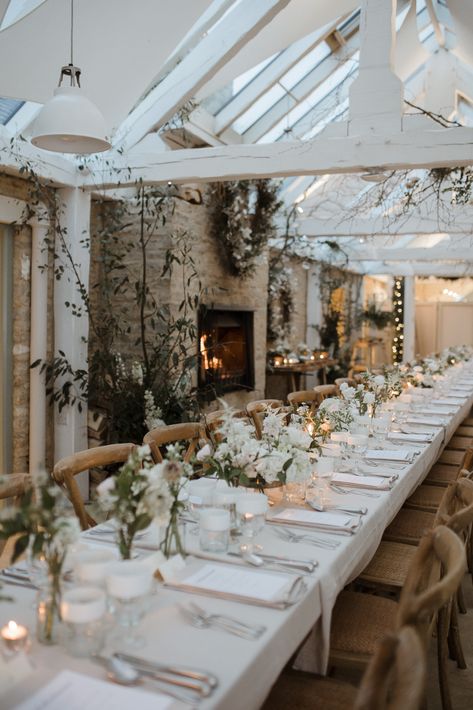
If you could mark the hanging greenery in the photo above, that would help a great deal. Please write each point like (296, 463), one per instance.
(374, 316)
(241, 221)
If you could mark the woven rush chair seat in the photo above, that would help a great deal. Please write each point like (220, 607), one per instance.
(409, 525)
(305, 691)
(460, 443)
(464, 430)
(359, 622)
(467, 422)
(425, 498)
(441, 474)
(451, 457)
(394, 680)
(389, 566)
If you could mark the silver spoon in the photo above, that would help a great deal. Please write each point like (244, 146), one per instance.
(123, 673)
(341, 508)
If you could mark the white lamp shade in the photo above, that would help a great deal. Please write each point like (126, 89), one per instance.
(70, 123)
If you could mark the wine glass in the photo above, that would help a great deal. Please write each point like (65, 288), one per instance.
(251, 510)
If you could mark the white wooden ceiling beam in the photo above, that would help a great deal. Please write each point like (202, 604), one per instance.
(213, 51)
(404, 224)
(443, 147)
(53, 168)
(376, 95)
(411, 254)
(418, 269)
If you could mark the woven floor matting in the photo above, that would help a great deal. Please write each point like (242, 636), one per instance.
(442, 473)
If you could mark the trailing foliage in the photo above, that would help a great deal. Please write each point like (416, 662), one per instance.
(241, 221)
(374, 316)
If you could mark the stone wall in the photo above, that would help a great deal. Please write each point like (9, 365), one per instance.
(219, 287)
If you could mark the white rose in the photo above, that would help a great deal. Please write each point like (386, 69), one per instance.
(368, 398)
(348, 393)
(204, 452)
(379, 381)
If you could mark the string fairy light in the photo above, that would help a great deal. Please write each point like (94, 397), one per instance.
(398, 310)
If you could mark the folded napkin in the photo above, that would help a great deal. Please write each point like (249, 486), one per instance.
(439, 411)
(390, 454)
(415, 437)
(427, 421)
(337, 522)
(250, 586)
(449, 401)
(380, 483)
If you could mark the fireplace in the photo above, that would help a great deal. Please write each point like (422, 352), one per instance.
(226, 358)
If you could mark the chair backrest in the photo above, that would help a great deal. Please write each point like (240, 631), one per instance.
(67, 468)
(324, 391)
(301, 397)
(256, 411)
(434, 575)
(350, 381)
(456, 507)
(395, 678)
(190, 432)
(213, 420)
(14, 485)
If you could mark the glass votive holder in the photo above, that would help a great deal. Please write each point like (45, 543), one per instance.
(83, 611)
(14, 637)
(201, 492)
(214, 529)
(91, 566)
(227, 499)
(251, 511)
(129, 584)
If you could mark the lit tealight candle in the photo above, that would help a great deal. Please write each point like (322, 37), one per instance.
(14, 636)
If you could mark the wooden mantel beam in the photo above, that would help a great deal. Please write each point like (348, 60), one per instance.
(418, 148)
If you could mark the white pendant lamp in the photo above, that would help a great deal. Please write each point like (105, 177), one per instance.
(70, 122)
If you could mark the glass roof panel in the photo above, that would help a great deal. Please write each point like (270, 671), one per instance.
(334, 81)
(244, 79)
(305, 65)
(8, 108)
(18, 9)
(259, 107)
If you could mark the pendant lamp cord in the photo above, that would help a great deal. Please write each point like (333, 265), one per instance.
(72, 31)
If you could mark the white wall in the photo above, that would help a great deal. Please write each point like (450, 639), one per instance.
(439, 325)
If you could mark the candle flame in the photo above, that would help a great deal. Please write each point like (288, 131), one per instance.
(12, 627)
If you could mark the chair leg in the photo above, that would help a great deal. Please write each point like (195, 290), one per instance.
(455, 638)
(442, 632)
(461, 600)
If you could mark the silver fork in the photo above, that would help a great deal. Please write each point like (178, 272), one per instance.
(354, 491)
(201, 621)
(256, 629)
(290, 536)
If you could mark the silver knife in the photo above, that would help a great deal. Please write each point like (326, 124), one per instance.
(305, 566)
(141, 663)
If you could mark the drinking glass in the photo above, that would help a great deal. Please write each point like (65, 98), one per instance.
(129, 585)
(214, 529)
(358, 444)
(381, 425)
(251, 511)
(324, 470)
(82, 611)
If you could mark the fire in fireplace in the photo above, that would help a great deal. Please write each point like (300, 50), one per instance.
(225, 350)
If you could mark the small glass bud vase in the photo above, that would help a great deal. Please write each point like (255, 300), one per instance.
(48, 610)
(173, 543)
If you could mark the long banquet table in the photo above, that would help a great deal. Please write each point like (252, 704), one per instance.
(247, 669)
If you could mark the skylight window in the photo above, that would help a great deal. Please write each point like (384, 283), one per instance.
(17, 9)
(244, 79)
(305, 65)
(8, 108)
(258, 108)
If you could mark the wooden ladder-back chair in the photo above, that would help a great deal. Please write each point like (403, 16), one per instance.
(434, 576)
(256, 411)
(429, 494)
(303, 397)
(190, 432)
(324, 391)
(12, 486)
(66, 469)
(214, 419)
(394, 680)
(350, 381)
